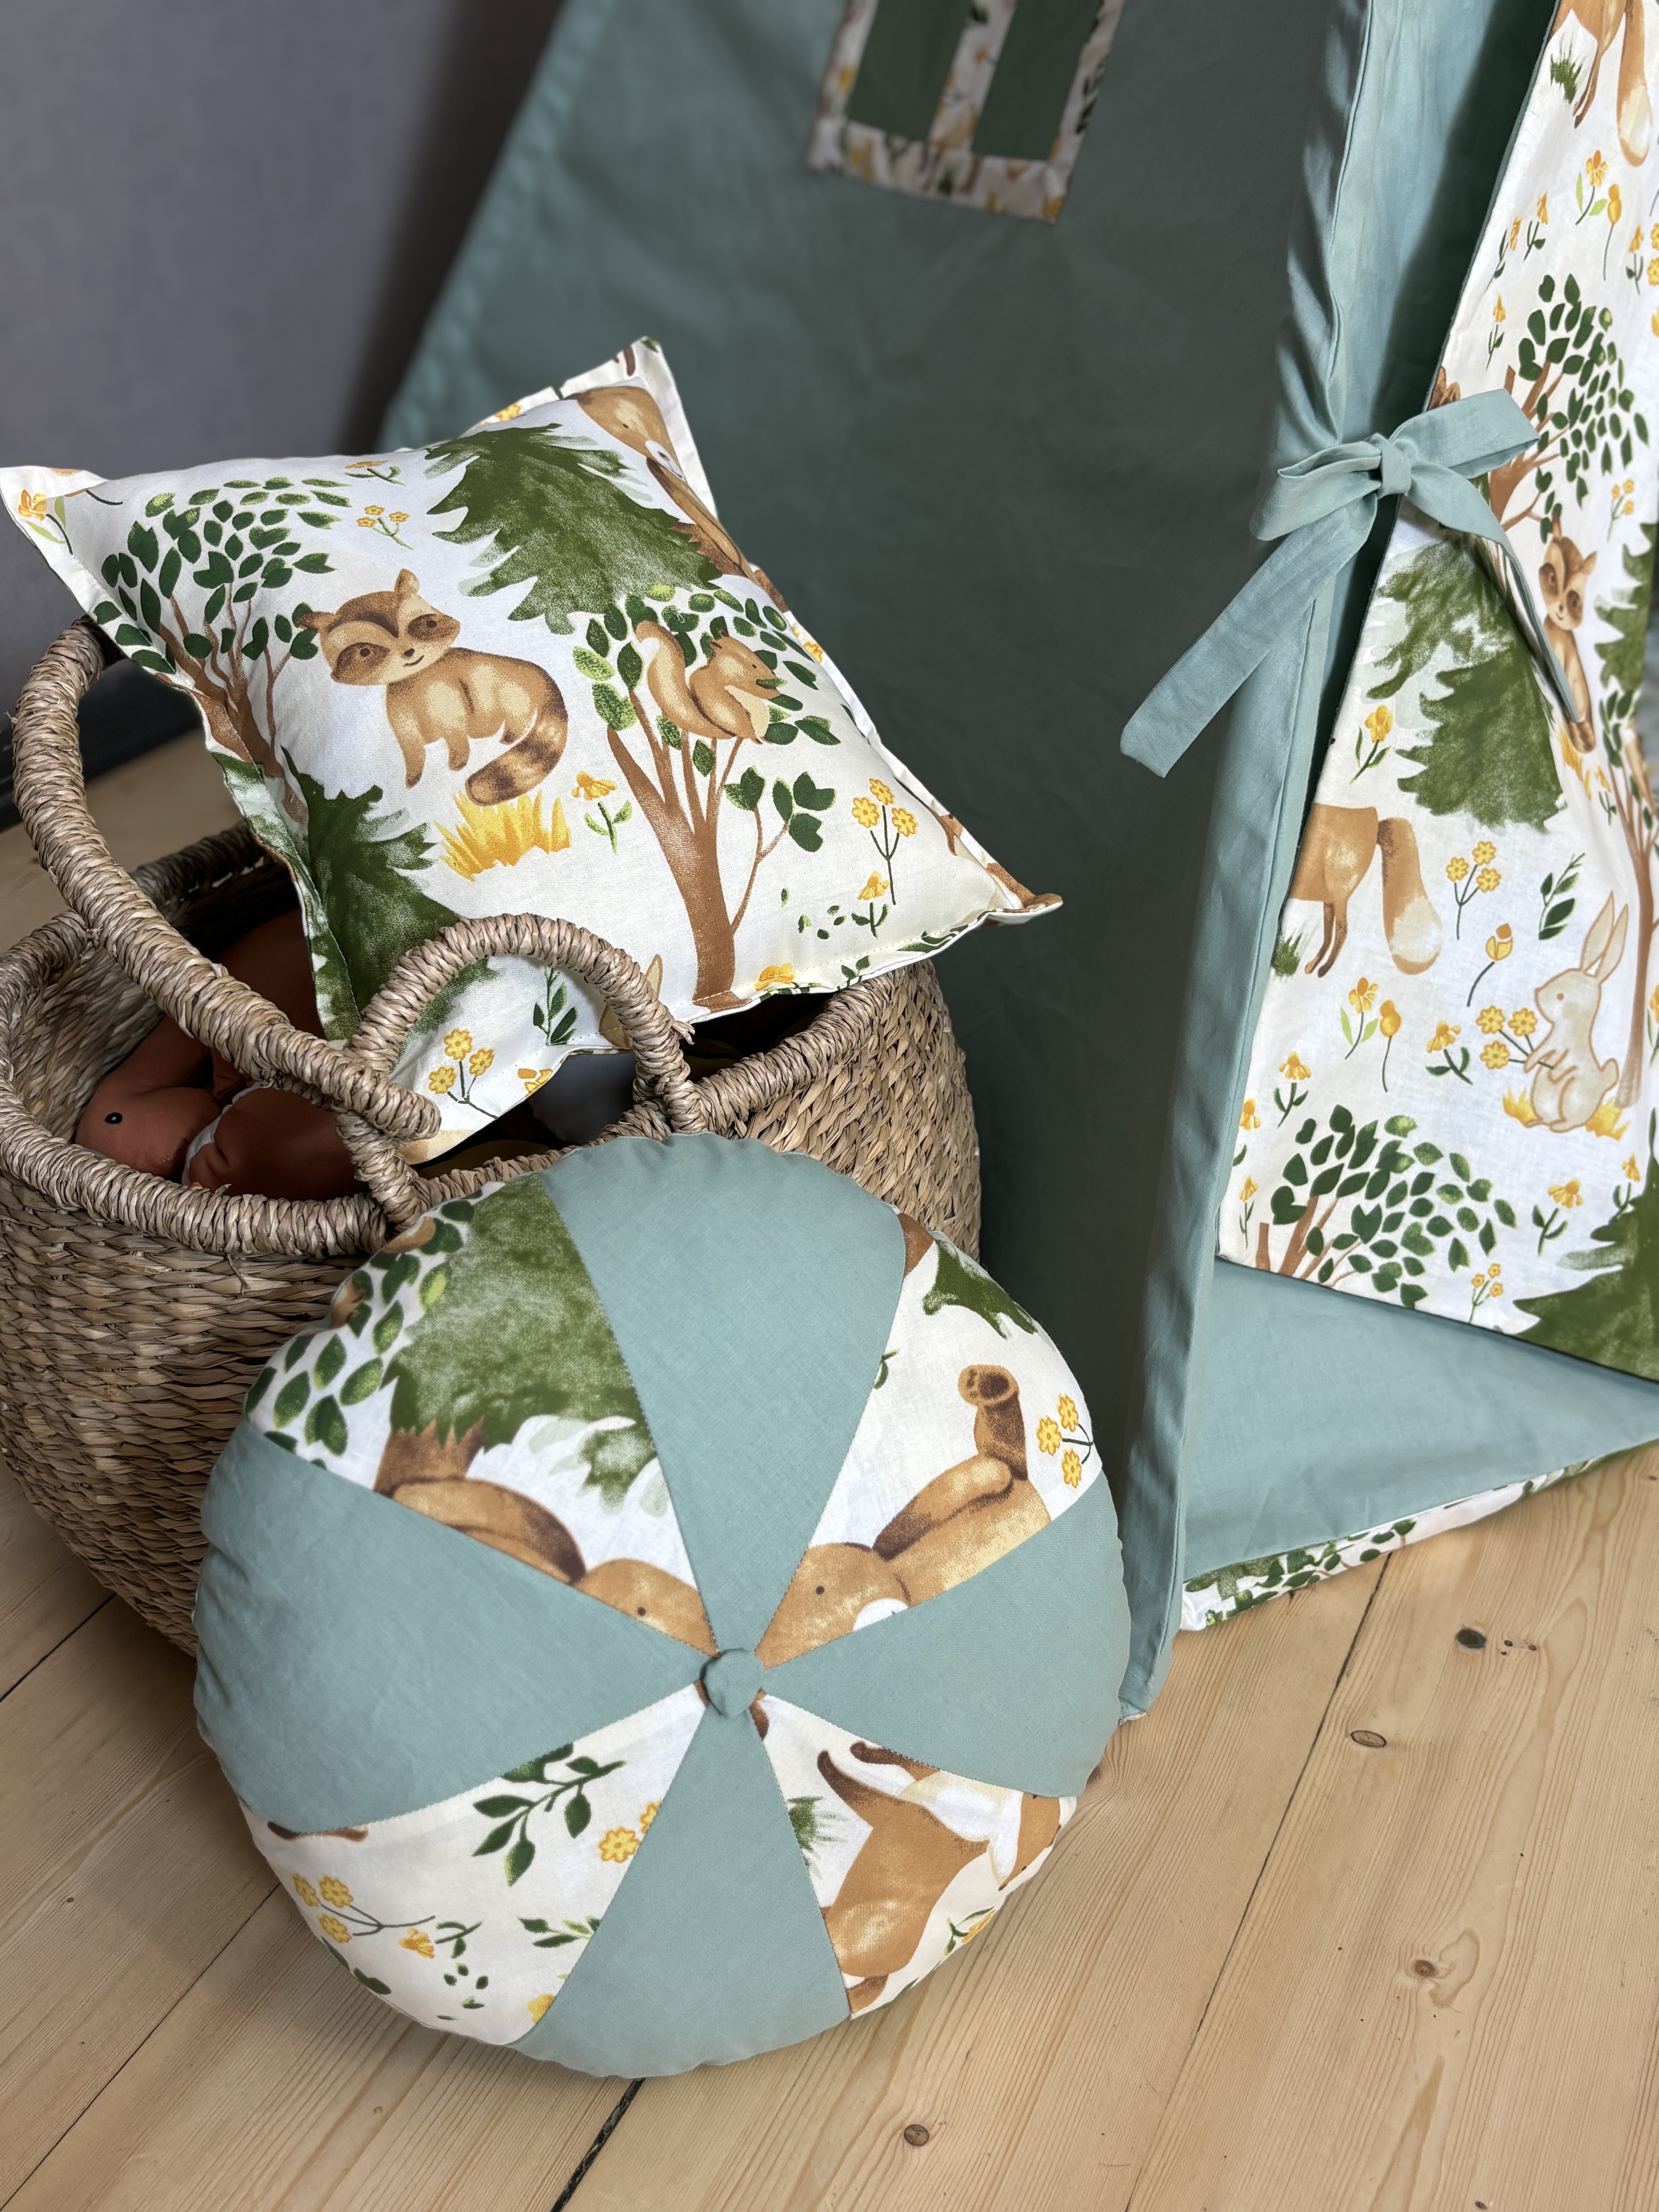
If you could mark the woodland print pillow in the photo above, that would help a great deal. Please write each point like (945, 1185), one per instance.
(523, 671)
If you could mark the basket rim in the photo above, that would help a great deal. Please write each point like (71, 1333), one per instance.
(76, 1181)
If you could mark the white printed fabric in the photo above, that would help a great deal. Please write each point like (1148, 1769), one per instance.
(944, 165)
(523, 671)
(1452, 1089)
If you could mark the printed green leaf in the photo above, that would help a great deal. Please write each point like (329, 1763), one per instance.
(807, 794)
(577, 1814)
(141, 544)
(330, 1360)
(612, 708)
(325, 1425)
(362, 1382)
(290, 1399)
(804, 829)
(518, 1861)
(591, 664)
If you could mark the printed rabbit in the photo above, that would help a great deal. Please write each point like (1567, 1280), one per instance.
(1569, 1082)
(439, 693)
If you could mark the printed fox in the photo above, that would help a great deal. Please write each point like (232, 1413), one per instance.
(1336, 854)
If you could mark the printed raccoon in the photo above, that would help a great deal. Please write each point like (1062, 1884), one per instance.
(438, 692)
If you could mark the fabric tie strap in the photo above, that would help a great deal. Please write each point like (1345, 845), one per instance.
(1322, 509)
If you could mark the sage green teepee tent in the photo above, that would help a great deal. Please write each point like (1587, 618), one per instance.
(988, 316)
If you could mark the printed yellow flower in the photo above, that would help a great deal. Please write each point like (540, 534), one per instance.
(617, 1844)
(1615, 205)
(1048, 1435)
(1293, 1067)
(1485, 851)
(1653, 237)
(1653, 272)
(398, 515)
(1653, 1002)
(480, 1062)
(1633, 1173)
(1496, 1054)
(1515, 234)
(365, 522)
(441, 1081)
(1388, 1019)
(1495, 1269)
(31, 505)
(779, 972)
(334, 1890)
(1067, 1410)
(1487, 879)
(334, 1928)
(1567, 1194)
(1456, 868)
(1494, 1288)
(1446, 1033)
(882, 791)
(1250, 1118)
(1523, 1021)
(533, 1078)
(1379, 723)
(1596, 168)
(874, 887)
(537, 2006)
(1490, 1020)
(418, 1941)
(1498, 313)
(1543, 207)
(866, 812)
(1477, 1282)
(303, 1890)
(650, 1813)
(1501, 943)
(1635, 246)
(1363, 996)
(1071, 1470)
(904, 821)
(592, 786)
(373, 510)
(457, 1044)
(1247, 1191)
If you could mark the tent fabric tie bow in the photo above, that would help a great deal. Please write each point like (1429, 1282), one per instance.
(1321, 510)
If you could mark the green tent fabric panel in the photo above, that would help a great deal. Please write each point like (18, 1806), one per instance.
(1429, 1412)
(1002, 467)
(1022, 113)
(713, 1947)
(358, 1660)
(1025, 1659)
(906, 60)
(750, 1292)
(1389, 220)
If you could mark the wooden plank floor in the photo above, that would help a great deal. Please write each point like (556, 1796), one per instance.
(1275, 1963)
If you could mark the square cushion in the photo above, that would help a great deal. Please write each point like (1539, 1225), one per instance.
(523, 671)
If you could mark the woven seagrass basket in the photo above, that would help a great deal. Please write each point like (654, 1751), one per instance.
(134, 1313)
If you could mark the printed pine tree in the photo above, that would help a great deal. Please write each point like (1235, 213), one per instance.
(363, 871)
(1611, 1318)
(517, 1330)
(1632, 803)
(1490, 754)
(561, 524)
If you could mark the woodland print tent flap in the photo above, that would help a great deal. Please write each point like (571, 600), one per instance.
(1452, 1089)
(524, 670)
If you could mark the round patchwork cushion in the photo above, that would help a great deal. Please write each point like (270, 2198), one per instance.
(668, 1608)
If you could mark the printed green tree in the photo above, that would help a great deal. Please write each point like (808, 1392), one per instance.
(1613, 1317)
(679, 779)
(515, 1329)
(233, 542)
(1632, 799)
(560, 523)
(1579, 399)
(1407, 1205)
(363, 868)
(1490, 751)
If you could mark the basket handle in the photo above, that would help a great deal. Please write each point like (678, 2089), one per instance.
(421, 973)
(206, 1002)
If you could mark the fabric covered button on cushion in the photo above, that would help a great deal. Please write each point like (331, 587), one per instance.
(668, 1608)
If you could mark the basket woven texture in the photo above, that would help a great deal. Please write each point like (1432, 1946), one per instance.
(134, 1313)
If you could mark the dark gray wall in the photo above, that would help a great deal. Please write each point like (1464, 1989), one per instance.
(222, 225)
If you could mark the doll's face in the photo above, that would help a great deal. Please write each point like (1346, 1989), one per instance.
(151, 1131)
